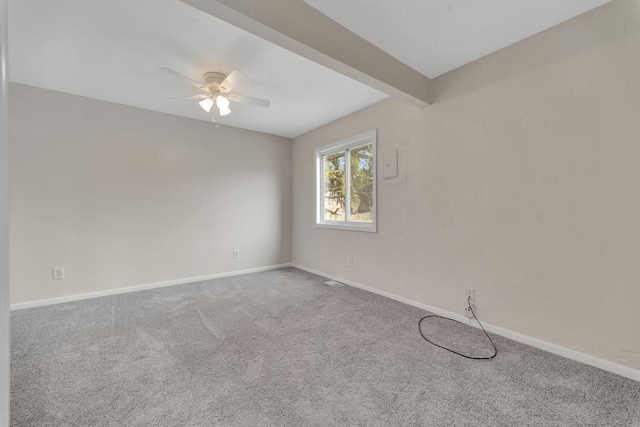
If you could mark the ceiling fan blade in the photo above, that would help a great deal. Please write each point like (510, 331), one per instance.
(248, 100)
(191, 97)
(232, 80)
(194, 83)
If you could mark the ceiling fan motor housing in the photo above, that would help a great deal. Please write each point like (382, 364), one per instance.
(213, 80)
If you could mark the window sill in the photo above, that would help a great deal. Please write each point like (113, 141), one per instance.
(367, 228)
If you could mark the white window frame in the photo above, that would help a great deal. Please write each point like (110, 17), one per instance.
(367, 138)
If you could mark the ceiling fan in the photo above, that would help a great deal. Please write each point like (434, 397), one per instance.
(218, 92)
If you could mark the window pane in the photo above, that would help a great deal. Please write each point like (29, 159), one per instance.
(334, 188)
(362, 170)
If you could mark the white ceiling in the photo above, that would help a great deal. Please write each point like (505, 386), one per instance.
(111, 50)
(436, 36)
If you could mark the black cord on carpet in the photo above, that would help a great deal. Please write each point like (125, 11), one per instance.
(495, 350)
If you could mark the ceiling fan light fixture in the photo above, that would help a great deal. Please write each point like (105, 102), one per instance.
(223, 105)
(222, 102)
(206, 104)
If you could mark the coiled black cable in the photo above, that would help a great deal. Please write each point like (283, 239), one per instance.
(495, 350)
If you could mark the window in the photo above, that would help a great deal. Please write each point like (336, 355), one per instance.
(346, 184)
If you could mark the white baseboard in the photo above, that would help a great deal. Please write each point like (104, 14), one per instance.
(78, 297)
(616, 368)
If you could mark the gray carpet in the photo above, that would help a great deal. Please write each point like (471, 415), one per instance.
(282, 349)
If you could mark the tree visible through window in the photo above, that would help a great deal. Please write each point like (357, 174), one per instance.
(334, 188)
(362, 184)
(347, 184)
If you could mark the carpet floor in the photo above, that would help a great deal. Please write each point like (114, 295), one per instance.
(281, 348)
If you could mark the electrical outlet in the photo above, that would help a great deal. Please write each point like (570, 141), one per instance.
(471, 295)
(350, 261)
(467, 310)
(58, 273)
(236, 254)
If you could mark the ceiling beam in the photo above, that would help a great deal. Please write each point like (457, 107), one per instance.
(298, 27)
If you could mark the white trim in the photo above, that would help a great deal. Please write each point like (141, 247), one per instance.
(366, 138)
(352, 226)
(5, 355)
(137, 288)
(616, 368)
(348, 142)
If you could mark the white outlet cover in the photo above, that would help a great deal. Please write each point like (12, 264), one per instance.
(58, 273)
(467, 311)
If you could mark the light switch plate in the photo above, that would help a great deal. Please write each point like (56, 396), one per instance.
(390, 162)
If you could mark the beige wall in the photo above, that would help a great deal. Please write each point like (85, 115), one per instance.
(121, 196)
(522, 181)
